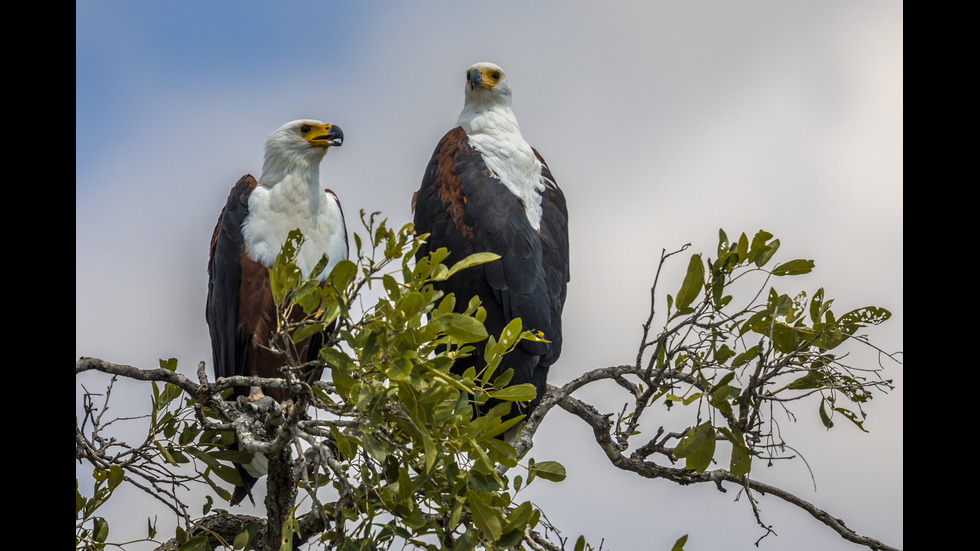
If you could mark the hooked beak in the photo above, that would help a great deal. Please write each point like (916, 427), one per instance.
(476, 79)
(330, 136)
(334, 136)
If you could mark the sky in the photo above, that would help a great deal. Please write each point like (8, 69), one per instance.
(662, 121)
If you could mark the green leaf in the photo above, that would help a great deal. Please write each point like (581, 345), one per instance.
(869, 315)
(741, 462)
(693, 283)
(198, 543)
(486, 518)
(723, 353)
(404, 484)
(342, 369)
(308, 296)
(722, 242)
(306, 331)
(830, 335)
(785, 337)
(115, 477)
(246, 535)
(758, 245)
(289, 527)
(468, 541)
(742, 249)
(429, 451)
(510, 334)
(346, 445)
(794, 267)
(813, 379)
(343, 273)
(824, 418)
(517, 393)
(698, 447)
(472, 260)
(513, 527)
(519, 517)
(850, 415)
(548, 470)
(692, 398)
(679, 544)
(463, 328)
(780, 304)
(746, 356)
(100, 529)
(373, 447)
(766, 253)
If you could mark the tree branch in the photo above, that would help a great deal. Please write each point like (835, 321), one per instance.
(601, 425)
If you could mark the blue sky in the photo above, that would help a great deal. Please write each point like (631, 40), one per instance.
(662, 121)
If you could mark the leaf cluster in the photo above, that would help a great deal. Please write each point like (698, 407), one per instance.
(91, 530)
(733, 362)
(386, 449)
(406, 446)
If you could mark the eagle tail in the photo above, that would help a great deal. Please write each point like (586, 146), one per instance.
(241, 492)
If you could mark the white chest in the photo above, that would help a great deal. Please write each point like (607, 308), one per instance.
(510, 158)
(276, 211)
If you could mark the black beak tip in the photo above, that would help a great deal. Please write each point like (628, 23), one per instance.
(336, 136)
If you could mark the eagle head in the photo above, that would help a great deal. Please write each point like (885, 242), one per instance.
(486, 79)
(305, 136)
(298, 146)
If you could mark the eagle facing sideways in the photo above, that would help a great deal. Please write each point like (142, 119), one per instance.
(486, 190)
(250, 232)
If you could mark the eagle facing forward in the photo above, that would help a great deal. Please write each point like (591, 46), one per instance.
(486, 190)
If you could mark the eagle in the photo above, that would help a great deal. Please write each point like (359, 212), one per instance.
(486, 190)
(252, 227)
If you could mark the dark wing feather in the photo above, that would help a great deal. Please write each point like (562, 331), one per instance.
(343, 223)
(223, 312)
(467, 209)
(229, 342)
(555, 256)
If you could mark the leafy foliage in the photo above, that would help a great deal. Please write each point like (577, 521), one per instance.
(390, 449)
(383, 451)
(783, 348)
(94, 536)
(395, 425)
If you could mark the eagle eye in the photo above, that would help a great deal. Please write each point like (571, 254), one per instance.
(495, 75)
(305, 128)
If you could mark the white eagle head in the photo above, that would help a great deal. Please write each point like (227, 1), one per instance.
(487, 83)
(298, 146)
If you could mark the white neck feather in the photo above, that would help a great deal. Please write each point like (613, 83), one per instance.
(291, 196)
(492, 129)
(281, 163)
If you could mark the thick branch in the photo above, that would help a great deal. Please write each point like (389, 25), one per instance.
(84, 364)
(221, 528)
